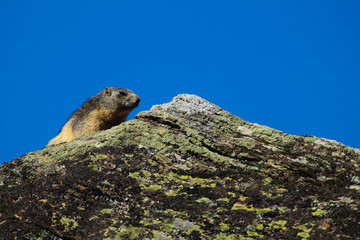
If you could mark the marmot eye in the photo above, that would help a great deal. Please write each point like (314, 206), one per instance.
(123, 93)
(107, 91)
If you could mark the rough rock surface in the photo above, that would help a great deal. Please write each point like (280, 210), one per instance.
(184, 170)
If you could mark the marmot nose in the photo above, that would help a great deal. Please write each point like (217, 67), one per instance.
(137, 100)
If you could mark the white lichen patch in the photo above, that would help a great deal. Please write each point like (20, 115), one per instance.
(301, 160)
(326, 142)
(338, 154)
(244, 130)
(355, 179)
(355, 187)
(357, 151)
(189, 104)
(324, 179)
(183, 225)
(345, 200)
(271, 147)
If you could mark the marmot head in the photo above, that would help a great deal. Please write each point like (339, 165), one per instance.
(118, 99)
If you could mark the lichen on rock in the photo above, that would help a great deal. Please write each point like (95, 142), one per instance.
(185, 169)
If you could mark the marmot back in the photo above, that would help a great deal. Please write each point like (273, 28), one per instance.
(108, 108)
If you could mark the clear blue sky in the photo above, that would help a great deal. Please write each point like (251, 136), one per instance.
(290, 65)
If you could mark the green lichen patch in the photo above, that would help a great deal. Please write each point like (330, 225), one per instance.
(69, 224)
(305, 230)
(280, 224)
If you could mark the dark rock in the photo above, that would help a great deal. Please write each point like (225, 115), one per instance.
(184, 170)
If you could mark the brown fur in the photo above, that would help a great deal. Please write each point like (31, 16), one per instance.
(66, 134)
(108, 108)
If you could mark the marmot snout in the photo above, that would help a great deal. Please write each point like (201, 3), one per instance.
(106, 109)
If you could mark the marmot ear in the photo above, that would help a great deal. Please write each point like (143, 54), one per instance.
(108, 91)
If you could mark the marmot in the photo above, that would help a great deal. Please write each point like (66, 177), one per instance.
(108, 108)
